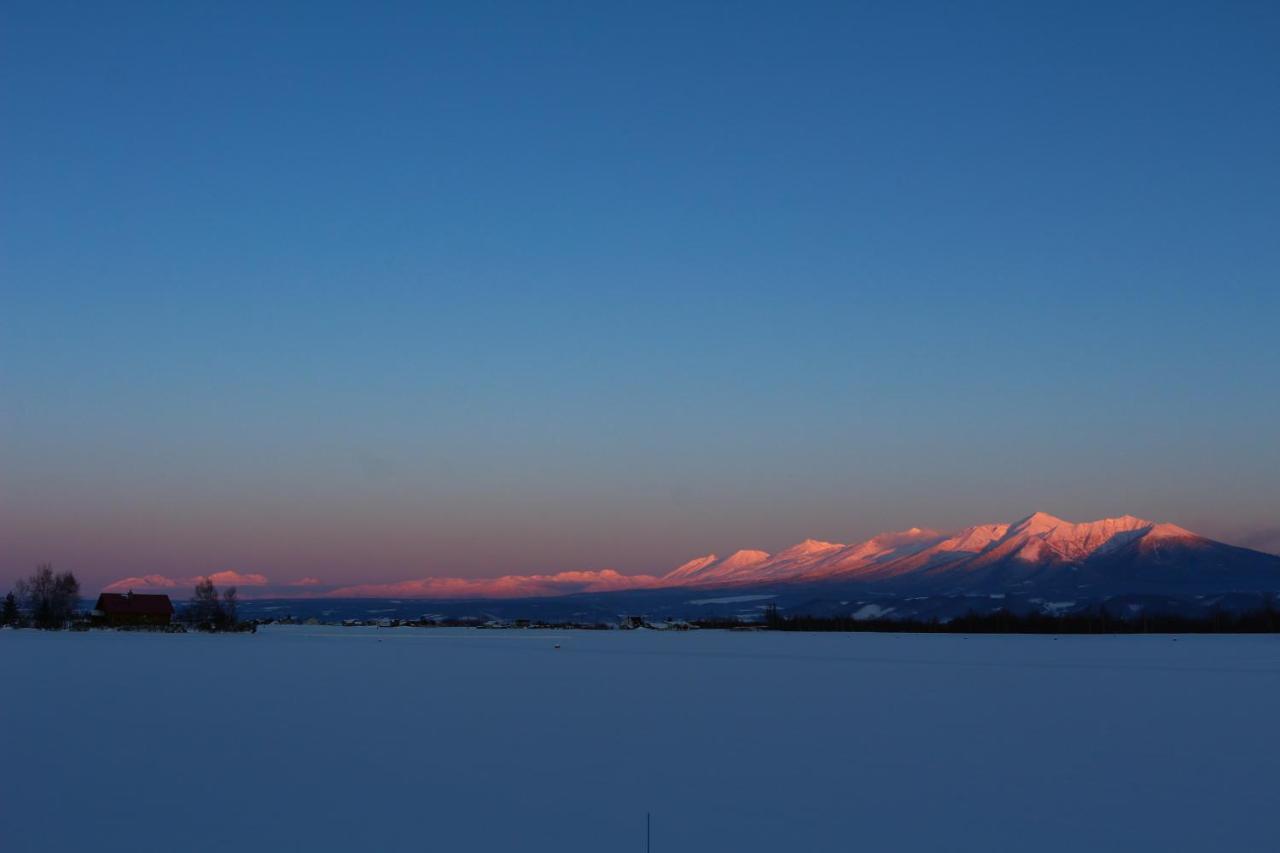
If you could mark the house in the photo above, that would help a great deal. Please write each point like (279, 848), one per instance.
(130, 608)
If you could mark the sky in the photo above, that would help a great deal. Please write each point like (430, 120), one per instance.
(357, 292)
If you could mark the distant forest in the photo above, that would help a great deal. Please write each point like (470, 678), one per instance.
(1099, 621)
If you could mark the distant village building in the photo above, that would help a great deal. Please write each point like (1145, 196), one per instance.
(130, 608)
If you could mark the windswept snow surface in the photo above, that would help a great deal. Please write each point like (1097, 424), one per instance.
(302, 738)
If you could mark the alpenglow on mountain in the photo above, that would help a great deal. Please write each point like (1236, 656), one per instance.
(1039, 553)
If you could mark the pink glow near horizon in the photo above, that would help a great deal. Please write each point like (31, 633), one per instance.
(152, 582)
(1043, 529)
(507, 586)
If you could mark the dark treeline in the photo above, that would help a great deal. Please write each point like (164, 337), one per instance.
(43, 600)
(727, 623)
(1099, 621)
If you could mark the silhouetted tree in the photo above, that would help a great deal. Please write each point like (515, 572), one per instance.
(205, 608)
(208, 610)
(229, 602)
(9, 610)
(51, 599)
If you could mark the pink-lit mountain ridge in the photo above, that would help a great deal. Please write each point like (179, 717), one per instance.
(1038, 552)
(1039, 549)
(1033, 546)
(1039, 555)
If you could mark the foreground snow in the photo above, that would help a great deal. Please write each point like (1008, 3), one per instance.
(332, 739)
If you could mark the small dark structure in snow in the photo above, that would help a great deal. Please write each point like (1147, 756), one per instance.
(130, 608)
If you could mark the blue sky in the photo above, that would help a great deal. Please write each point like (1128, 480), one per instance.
(371, 293)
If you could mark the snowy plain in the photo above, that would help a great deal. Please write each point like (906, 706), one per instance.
(326, 738)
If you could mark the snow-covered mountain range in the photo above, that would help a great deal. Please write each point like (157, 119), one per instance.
(1039, 555)
(1037, 549)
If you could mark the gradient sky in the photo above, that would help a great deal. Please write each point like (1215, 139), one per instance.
(375, 291)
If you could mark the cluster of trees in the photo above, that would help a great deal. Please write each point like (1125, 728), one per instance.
(43, 600)
(1265, 620)
(209, 611)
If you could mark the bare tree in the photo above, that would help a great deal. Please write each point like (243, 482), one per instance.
(50, 599)
(204, 609)
(209, 611)
(229, 602)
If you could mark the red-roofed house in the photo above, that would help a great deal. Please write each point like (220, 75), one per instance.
(130, 608)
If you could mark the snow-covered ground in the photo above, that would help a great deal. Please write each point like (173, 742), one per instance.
(339, 739)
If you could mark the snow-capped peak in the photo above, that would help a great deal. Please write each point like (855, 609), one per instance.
(1170, 531)
(692, 567)
(744, 557)
(709, 567)
(1037, 522)
(809, 546)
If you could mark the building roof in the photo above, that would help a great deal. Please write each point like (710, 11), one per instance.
(134, 604)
